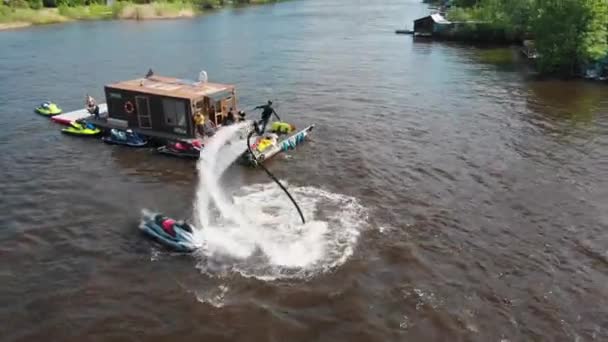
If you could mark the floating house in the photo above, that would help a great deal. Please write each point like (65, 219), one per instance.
(431, 25)
(436, 26)
(165, 107)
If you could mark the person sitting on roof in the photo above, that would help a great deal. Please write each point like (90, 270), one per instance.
(267, 112)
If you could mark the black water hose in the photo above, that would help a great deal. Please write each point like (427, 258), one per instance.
(274, 178)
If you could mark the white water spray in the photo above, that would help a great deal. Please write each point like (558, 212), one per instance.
(258, 233)
(210, 169)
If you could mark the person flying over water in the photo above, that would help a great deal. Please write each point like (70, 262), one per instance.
(267, 112)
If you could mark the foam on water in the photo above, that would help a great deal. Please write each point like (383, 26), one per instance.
(257, 232)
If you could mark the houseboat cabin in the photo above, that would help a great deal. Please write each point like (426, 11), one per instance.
(165, 107)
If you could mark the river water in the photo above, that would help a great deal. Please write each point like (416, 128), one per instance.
(457, 196)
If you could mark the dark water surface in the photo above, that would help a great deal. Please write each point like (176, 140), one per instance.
(486, 189)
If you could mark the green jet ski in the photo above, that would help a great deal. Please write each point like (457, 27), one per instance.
(48, 109)
(81, 128)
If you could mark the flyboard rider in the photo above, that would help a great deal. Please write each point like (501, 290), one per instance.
(267, 112)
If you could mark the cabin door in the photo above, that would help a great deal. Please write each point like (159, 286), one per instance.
(143, 112)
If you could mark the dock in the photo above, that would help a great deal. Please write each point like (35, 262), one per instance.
(406, 31)
(66, 118)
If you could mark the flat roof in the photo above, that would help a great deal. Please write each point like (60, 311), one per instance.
(173, 87)
(436, 17)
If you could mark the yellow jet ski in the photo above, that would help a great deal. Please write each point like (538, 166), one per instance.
(81, 128)
(48, 109)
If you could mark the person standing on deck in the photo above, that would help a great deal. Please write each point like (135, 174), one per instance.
(229, 118)
(92, 107)
(208, 128)
(199, 122)
(267, 112)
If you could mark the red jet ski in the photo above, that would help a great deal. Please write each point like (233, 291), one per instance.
(182, 149)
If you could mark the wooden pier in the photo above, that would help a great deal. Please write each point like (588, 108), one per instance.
(66, 118)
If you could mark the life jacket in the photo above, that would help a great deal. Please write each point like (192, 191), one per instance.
(281, 127)
(264, 144)
(168, 226)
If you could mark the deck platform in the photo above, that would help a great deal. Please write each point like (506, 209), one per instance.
(406, 31)
(66, 118)
(109, 123)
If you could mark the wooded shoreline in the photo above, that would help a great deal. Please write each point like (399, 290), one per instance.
(570, 37)
(22, 13)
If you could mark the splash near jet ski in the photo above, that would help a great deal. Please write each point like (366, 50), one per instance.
(222, 144)
(48, 108)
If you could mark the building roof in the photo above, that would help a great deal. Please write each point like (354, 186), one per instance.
(436, 17)
(173, 87)
(439, 19)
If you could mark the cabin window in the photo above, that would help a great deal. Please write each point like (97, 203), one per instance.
(174, 112)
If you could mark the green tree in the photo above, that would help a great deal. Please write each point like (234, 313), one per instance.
(569, 32)
(556, 26)
(594, 38)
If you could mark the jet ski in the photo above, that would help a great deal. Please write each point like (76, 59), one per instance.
(182, 149)
(177, 235)
(128, 138)
(48, 108)
(81, 128)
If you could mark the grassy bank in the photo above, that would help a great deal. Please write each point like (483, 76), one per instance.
(156, 10)
(22, 15)
(19, 17)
